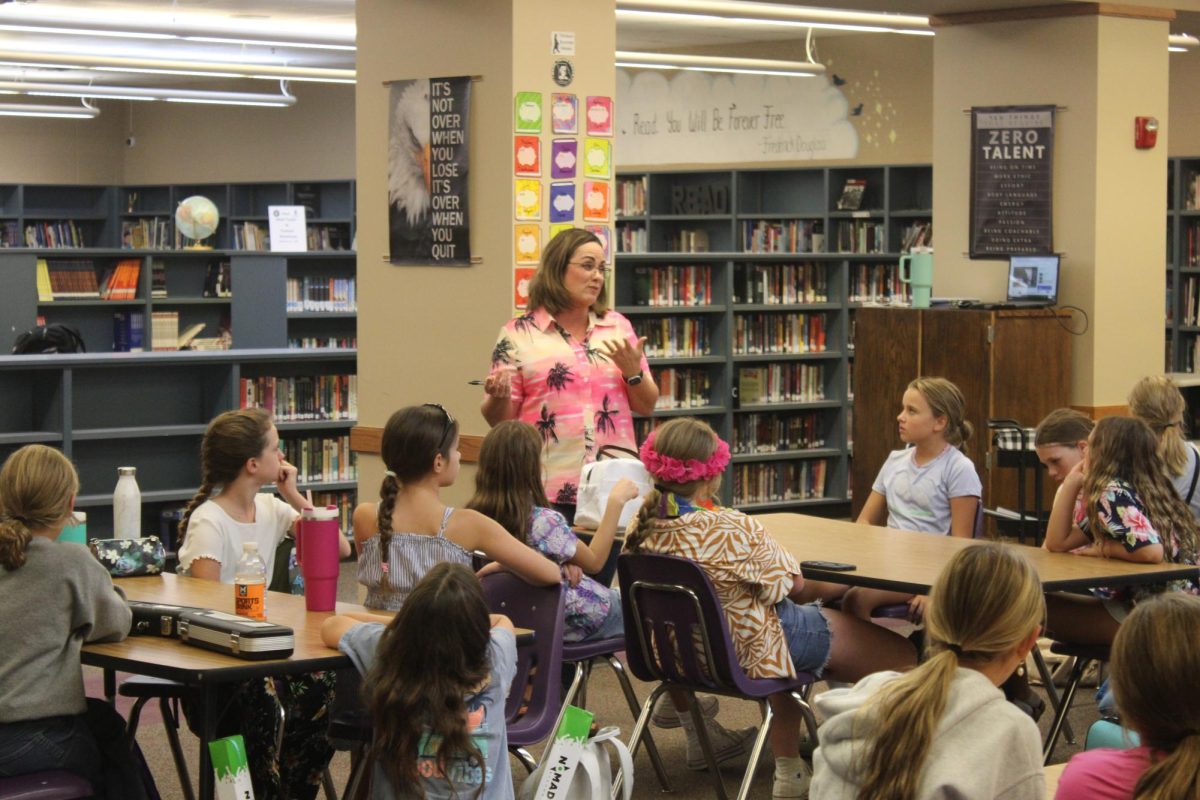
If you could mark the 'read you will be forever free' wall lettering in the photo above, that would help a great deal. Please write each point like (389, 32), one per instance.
(1012, 167)
(428, 157)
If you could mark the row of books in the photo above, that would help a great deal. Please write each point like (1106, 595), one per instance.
(916, 234)
(632, 238)
(672, 285)
(121, 282)
(64, 233)
(674, 337)
(165, 333)
(129, 332)
(321, 293)
(10, 234)
(305, 397)
(631, 196)
(778, 284)
(1191, 190)
(149, 233)
(877, 283)
(66, 280)
(777, 433)
(781, 383)
(1191, 300)
(345, 502)
(777, 482)
(774, 332)
(250, 236)
(321, 459)
(688, 241)
(860, 236)
(682, 387)
(322, 342)
(789, 236)
(1192, 244)
(329, 237)
(1189, 349)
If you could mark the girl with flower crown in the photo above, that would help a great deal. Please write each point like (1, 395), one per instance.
(756, 581)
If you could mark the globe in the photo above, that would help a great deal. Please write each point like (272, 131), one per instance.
(197, 218)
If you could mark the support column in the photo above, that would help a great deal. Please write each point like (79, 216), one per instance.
(1105, 67)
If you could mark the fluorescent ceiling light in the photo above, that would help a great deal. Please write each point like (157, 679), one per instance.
(752, 66)
(63, 112)
(282, 102)
(175, 66)
(142, 93)
(1181, 42)
(269, 43)
(726, 12)
(83, 32)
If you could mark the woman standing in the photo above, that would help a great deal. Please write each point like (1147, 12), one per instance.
(570, 367)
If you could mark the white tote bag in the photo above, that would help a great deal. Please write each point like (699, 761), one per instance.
(592, 777)
(597, 480)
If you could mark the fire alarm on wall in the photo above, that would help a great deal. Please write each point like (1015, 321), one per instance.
(1145, 132)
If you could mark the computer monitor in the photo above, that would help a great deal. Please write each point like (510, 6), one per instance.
(1033, 279)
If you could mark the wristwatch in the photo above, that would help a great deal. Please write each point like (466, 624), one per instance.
(634, 380)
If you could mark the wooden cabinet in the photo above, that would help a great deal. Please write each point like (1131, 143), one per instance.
(1009, 363)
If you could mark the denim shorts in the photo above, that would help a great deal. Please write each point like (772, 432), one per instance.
(807, 633)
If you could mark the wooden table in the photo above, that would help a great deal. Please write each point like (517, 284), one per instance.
(903, 561)
(1053, 773)
(208, 671)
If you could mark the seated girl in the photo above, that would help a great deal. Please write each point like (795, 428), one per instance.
(410, 529)
(756, 580)
(1157, 401)
(944, 729)
(1061, 440)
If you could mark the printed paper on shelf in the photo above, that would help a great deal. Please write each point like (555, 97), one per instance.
(562, 202)
(604, 234)
(521, 278)
(599, 116)
(596, 201)
(527, 112)
(563, 156)
(597, 158)
(527, 156)
(528, 197)
(564, 113)
(527, 243)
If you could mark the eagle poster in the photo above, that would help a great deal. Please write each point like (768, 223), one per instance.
(427, 172)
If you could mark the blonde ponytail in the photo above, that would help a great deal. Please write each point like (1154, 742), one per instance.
(37, 485)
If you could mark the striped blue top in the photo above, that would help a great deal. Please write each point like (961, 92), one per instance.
(410, 557)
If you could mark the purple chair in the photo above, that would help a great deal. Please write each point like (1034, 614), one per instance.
(676, 634)
(539, 665)
(1083, 654)
(55, 784)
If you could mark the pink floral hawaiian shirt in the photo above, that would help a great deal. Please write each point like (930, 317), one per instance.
(569, 390)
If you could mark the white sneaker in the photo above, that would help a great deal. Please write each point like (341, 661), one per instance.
(792, 786)
(727, 745)
(665, 715)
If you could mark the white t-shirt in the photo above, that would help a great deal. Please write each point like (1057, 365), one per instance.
(1183, 483)
(918, 497)
(212, 533)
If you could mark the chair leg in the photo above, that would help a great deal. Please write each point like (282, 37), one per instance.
(1068, 696)
(327, 785)
(583, 685)
(525, 757)
(706, 744)
(171, 726)
(810, 721)
(631, 698)
(358, 768)
(135, 715)
(1047, 677)
(640, 726)
(759, 741)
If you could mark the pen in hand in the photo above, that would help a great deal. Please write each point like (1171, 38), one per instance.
(475, 383)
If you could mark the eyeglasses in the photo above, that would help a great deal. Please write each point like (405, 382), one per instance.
(446, 428)
(590, 267)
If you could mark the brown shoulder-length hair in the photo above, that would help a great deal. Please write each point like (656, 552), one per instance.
(547, 290)
(508, 483)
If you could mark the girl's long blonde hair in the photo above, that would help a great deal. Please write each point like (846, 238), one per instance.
(986, 602)
(1157, 696)
(1125, 448)
(946, 400)
(1156, 400)
(684, 438)
(37, 484)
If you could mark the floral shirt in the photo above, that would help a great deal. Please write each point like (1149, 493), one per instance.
(1123, 518)
(586, 604)
(750, 572)
(569, 390)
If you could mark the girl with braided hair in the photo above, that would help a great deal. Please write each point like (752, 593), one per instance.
(757, 582)
(410, 529)
(239, 455)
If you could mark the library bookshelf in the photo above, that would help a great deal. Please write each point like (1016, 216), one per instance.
(745, 283)
(291, 316)
(1183, 265)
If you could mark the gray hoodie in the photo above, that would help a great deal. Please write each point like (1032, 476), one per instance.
(983, 746)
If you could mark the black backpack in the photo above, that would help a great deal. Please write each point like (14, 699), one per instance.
(53, 338)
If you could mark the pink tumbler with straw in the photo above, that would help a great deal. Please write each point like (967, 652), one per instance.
(317, 553)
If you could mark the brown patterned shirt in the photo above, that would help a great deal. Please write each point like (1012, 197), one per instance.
(750, 572)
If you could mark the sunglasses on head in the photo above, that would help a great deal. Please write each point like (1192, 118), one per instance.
(447, 427)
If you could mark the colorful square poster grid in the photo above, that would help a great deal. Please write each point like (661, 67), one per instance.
(562, 175)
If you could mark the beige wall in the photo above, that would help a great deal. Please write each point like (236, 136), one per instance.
(63, 150)
(1184, 126)
(1109, 199)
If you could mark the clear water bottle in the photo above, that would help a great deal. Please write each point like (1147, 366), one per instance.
(127, 505)
(250, 584)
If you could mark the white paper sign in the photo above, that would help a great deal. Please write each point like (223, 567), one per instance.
(562, 43)
(287, 229)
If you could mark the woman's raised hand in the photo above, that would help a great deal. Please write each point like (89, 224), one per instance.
(626, 357)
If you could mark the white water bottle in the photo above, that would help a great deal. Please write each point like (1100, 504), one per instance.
(250, 584)
(127, 505)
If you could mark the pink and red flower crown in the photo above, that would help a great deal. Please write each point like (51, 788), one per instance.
(675, 470)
